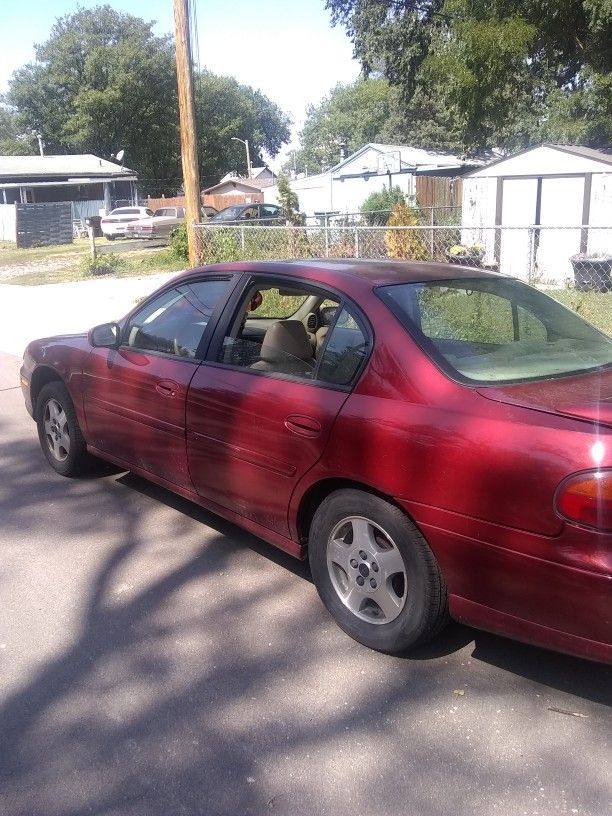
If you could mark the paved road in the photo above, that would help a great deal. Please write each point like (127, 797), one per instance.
(156, 661)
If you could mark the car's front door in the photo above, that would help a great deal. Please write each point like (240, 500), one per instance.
(256, 422)
(134, 396)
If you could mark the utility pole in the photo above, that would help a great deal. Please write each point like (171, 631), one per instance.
(189, 153)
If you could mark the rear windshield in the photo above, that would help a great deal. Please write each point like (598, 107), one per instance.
(126, 211)
(491, 330)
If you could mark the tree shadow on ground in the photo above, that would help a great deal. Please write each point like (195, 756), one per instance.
(202, 678)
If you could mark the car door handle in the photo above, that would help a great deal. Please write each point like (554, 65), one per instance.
(303, 425)
(167, 388)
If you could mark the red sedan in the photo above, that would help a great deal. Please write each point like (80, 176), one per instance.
(437, 440)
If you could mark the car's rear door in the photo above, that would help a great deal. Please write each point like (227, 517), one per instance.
(253, 433)
(134, 396)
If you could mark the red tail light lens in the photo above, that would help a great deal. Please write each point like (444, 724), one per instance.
(586, 499)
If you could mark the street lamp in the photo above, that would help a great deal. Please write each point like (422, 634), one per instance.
(245, 142)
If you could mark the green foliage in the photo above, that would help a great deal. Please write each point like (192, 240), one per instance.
(13, 142)
(224, 108)
(106, 264)
(179, 246)
(365, 111)
(288, 200)
(504, 73)
(104, 82)
(404, 244)
(377, 206)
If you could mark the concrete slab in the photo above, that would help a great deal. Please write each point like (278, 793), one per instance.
(28, 312)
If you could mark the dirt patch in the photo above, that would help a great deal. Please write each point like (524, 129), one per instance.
(33, 267)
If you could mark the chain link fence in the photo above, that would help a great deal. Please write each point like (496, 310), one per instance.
(579, 257)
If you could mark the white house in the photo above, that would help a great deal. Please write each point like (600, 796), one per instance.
(543, 187)
(344, 188)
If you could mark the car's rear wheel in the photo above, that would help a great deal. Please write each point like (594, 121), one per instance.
(375, 572)
(109, 237)
(59, 432)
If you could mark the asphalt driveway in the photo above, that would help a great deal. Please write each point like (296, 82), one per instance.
(156, 661)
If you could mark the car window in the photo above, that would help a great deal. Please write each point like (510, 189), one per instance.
(149, 212)
(250, 212)
(267, 335)
(174, 322)
(228, 214)
(497, 329)
(270, 211)
(345, 348)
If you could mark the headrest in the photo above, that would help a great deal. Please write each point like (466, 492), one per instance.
(286, 338)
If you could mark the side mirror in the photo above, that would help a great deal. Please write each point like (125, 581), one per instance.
(108, 335)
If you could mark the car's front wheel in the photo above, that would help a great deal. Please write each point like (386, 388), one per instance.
(59, 432)
(375, 572)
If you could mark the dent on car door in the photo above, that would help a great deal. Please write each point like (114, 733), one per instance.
(134, 396)
(256, 422)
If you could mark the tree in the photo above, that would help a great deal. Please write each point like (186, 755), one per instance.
(104, 82)
(502, 68)
(364, 111)
(13, 142)
(370, 110)
(288, 201)
(224, 108)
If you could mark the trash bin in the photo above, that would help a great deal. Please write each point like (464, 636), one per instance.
(94, 222)
(592, 272)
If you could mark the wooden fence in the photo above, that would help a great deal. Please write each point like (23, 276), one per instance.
(217, 201)
(438, 191)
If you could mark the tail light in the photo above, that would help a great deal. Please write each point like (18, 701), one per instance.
(586, 498)
(105, 220)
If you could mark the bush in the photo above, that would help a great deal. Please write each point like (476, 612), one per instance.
(178, 243)
(378, 206)
(106, 264)
(404, 244)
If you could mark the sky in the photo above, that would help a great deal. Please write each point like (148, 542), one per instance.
(286, 48)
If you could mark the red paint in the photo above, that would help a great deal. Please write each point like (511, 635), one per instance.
(476, 468)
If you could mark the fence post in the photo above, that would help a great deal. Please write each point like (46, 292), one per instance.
(326, 228)
(242, 238)
(356, 242)
(431, 240)
(530, 254)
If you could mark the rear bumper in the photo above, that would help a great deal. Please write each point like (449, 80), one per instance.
(554, 592)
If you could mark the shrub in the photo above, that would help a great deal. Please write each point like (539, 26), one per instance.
(178, 243)
(404, 244)
(106, 264)
(378, 206)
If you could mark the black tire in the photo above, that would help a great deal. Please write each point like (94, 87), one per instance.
(110, 237)
(415, 601)
(58, 431)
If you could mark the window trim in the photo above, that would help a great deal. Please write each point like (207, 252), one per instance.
(260, 279)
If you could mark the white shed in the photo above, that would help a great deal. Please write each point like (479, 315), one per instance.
(541, 202)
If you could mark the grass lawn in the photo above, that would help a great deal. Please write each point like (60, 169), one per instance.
(54, 264)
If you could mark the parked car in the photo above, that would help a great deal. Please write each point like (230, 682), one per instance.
(157, 225)
(437, 440)
(251, 213)
(161, 223)
(114, 225)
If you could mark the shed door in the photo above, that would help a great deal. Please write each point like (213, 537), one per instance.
(562, 200)
(518, 210)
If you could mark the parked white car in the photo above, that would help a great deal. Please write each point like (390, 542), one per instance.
(114, 225)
